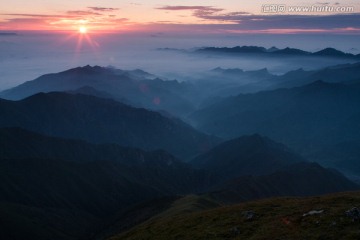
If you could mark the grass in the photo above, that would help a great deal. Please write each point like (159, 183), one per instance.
(277, 218)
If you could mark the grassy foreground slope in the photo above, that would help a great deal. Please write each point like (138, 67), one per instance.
(277, 218)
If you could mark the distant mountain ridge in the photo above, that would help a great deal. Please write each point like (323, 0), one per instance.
(139, 88)
(328, 52)
(343, 73)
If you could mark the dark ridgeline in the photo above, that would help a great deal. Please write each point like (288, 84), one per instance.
(253, 167)
(344, 73)
(141, 89)
(103, 121)
(308, 118)
(242, 50)
(299, 179)
(74, 188)
(137, 87)
(248, 155)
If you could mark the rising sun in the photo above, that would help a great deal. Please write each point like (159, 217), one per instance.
(82, 30)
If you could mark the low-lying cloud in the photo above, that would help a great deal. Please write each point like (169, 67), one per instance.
(103, 9)
(247, 21)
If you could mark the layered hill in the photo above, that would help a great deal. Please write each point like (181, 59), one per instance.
(300, 179)
(73, 200)
(139, 88)
(241, 50)
(255, 167)
(74, 188)
(212, 86)
(248, 155)
(103, 121)
(344, 73)
(306, 118)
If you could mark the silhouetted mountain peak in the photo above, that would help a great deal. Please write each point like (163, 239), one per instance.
(40, 96)
(218, 69)
(88, 70)
(141, 72)
(236, 72)
(252, 49)
(237, 49)
(252, 154)
(255, 142)
(293, 51)
(273, 49)
(261, 71)
(320, 84)
(228, 70)
(276, 51)
(295, 73)
(255, 138)
(88, 90)
(137, 87)
(298, 70)
(329, 52)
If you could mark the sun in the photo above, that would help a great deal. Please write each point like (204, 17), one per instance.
(82, 30)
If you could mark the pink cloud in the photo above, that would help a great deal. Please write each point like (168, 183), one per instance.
(83, 13)
(103, 9)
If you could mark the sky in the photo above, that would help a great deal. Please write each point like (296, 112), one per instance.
(191, 16)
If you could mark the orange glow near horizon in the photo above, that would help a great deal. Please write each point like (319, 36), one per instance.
(156, 16)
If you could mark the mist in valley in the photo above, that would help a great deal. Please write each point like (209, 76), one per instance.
(28, 55)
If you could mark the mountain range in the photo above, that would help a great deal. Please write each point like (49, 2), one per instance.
(103, 153)
(326, 52)
(103, 121)
(344, 73)
(136, 87)
(177, 98)
(247, 155)
(307, 118)
(82, 190)
(253, 167)
(299, 179)
(69, 184)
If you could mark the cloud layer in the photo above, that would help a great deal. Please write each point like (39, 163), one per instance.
(103, 9)
(203, 17)
(245, 21)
